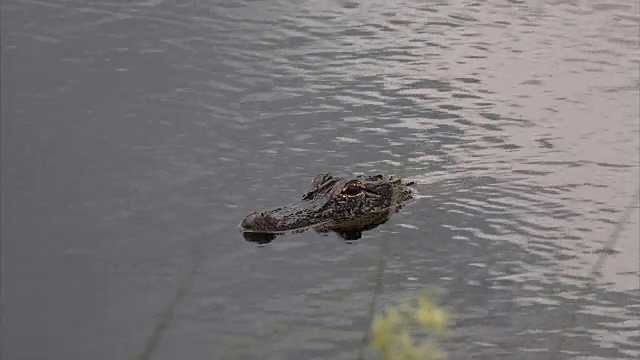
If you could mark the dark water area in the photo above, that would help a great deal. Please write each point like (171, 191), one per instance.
(136, 135)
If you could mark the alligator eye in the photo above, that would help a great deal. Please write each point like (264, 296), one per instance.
(352, 188)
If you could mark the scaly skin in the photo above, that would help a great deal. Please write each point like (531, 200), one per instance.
(347, 206)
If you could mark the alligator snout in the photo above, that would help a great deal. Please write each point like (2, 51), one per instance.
(259, 221)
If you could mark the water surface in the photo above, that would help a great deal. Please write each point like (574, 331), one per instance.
(137, 135)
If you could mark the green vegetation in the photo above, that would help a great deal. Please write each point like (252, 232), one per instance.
(396, 334)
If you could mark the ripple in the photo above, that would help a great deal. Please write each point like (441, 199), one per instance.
(144, 130)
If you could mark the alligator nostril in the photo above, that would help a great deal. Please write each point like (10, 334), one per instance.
(260, 222)
(250, 220)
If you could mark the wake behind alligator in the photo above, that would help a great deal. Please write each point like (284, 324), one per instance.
(345, 205)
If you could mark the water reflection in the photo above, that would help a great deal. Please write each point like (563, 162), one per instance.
(351, 234)
(259, 238)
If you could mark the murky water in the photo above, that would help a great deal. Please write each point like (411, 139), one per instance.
(137, 135)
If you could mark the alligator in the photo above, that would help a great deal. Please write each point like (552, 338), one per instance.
(344, 205)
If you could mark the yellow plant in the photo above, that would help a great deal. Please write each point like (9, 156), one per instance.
(393, 333)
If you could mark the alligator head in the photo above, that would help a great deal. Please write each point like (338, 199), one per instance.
(346, 206)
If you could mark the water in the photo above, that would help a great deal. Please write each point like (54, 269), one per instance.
(137, 135)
